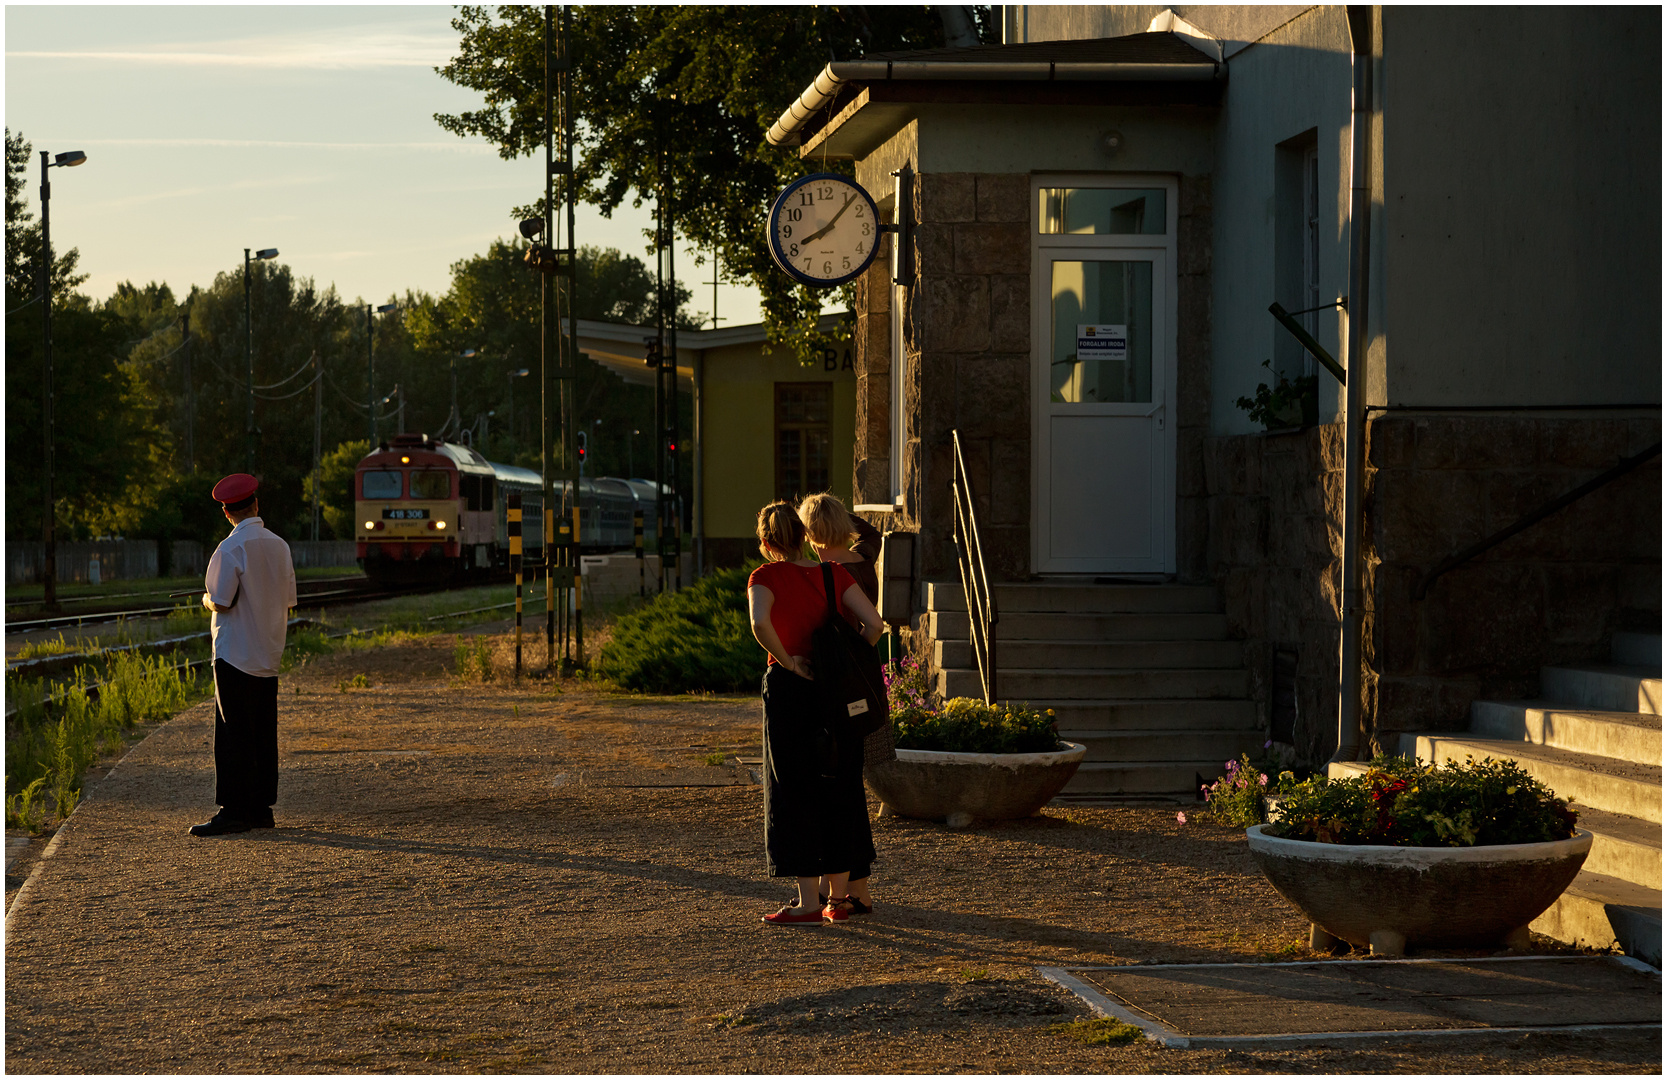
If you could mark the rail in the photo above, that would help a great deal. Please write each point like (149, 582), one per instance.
(975, 578)
(1620, 469)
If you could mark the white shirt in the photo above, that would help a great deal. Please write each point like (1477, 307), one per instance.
(253, 566)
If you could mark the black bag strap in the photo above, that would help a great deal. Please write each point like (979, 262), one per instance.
(827, 583)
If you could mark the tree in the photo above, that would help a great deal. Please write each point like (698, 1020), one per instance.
(673, 102)
(335, 488)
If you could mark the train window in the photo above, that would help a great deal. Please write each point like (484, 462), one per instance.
(381, 485)
(431, 484)
(488, 485)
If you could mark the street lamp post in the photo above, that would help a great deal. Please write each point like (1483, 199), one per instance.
(249, 356)
(513, 375)
(49, 527)
(370, 355)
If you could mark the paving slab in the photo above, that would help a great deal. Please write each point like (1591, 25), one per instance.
(1225, 1005)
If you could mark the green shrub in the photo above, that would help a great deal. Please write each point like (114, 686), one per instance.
(1402, 803)
(699, 638)
(1236, 799)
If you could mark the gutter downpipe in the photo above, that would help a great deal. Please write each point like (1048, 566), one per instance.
(1354, 396)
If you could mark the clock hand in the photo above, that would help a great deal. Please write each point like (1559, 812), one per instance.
(824, 230)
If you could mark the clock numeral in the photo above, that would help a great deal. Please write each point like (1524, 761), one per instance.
(807, 263)
(847, 262)
(793, 251)
(806, 198)
(859, 210)
(827, 268)
(862, 249)
(825, 193)
(866, 227)
(793, 214)
(787, 232)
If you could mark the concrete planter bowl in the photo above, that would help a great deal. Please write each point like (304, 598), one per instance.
(961, 788)
(1392, 897)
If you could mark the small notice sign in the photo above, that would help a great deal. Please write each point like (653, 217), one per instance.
(1102, 342)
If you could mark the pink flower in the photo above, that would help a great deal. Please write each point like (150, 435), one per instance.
(1264, 778)
(1181, 818)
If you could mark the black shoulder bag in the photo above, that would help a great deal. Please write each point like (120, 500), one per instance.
(847, 668)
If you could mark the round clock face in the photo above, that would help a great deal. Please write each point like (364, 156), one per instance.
(824, 229)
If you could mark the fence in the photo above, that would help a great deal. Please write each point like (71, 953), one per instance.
(324, 553)
(118, 560)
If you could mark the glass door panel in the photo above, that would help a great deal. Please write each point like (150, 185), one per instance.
(1100, 348)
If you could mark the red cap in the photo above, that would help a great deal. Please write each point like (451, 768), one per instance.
(236, 488)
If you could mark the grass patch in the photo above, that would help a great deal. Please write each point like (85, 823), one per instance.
(696, 639)
(980, 974)
(49, 748)
(1101, 1031)
(716, 757)
(472, 659)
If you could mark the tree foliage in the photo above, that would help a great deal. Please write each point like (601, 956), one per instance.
(673, 102)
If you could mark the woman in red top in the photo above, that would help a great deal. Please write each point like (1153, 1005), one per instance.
(815, 825)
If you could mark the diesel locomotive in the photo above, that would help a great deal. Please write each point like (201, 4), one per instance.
(429, 510)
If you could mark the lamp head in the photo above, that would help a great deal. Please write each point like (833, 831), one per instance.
(467, 354)
(267, 253)
(70, 159)
(532, 227)
(383, 308)
(523, 371)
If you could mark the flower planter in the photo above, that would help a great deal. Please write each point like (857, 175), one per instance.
(960, 788)
(1443, 897)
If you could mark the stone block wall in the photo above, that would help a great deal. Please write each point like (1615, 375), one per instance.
(1271, 504)
(1555, 593)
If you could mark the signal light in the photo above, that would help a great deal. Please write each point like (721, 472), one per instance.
(369, 525)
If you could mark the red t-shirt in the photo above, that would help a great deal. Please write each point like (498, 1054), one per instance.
(800, 602)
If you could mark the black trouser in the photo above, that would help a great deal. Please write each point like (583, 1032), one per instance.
(245, 741)
(813, 824)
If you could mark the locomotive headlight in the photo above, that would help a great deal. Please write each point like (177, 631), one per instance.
(440, 525)
(369, 525)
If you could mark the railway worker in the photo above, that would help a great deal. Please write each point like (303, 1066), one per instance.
(250, 587)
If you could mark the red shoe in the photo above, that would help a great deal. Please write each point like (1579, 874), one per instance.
(792, 916)
(837, 910)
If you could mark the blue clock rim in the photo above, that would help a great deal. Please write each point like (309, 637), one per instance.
(781, 260)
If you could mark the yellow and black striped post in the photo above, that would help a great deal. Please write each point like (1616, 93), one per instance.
(642, 572)
(552, 557)
(566, 547)
(514, 524)
(578, 593)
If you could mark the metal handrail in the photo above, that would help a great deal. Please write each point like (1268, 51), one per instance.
(975, 578)
(1621, 468)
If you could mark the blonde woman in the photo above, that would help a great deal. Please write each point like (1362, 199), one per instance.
(815, 825)
(839, 537)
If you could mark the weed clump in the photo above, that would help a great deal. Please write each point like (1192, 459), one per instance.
(1102, 1031)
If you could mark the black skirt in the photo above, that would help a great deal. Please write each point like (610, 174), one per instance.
(814, 823)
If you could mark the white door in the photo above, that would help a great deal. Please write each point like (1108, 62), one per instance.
(1103, 381)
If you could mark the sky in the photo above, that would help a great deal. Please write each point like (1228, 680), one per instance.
(305, 128)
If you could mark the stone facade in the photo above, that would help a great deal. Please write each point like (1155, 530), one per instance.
(1552, 594)
(1435, 484)
(1272, 503)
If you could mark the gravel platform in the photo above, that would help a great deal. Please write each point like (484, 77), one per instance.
(473, 878)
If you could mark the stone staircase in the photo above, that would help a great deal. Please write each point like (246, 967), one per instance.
(1594, 738)
(1146, 676)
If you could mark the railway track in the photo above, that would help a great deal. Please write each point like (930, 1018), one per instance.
(310, 594)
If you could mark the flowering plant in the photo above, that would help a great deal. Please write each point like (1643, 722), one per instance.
(961, 725)
(1399, 802)
(1236, 798)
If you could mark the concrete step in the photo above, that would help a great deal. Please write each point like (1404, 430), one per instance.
(1051, 626)
(1186, 714)
(1176, 779)
(1097, 656)
(1079, 597)
(1620, 787)
(1638, 650)
(1601, 911)
(1033, 684)
(1144, 746)
(1622, 847)
(1611, 687)
(1630, 736)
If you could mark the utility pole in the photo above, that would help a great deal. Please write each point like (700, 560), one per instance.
(318, 433)
(190, 401)
(547, 372)
(370, 369)
(49, 531)
(660, 350)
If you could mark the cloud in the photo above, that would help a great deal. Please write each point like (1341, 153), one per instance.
(197, 191)
(343, 48)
